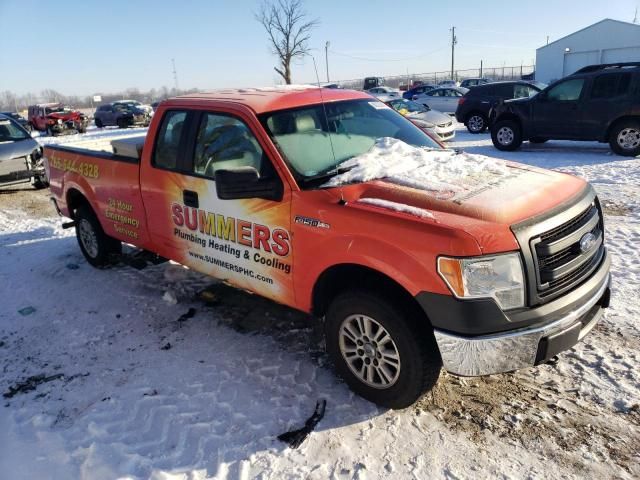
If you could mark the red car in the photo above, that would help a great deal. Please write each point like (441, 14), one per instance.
(56, 118)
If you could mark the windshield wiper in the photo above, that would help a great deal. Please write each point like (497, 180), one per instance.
(325, 175)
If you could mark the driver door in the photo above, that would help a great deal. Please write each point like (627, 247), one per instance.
(556, 112)
(243, 241)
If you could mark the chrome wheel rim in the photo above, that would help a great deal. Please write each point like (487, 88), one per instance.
(476, 123)
(369, 351)
(505, 136)
(629, 138)
(88, 238)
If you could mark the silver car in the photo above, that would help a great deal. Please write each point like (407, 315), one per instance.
(443, 99)
(20, 156)
(383, 91)
(436, 123)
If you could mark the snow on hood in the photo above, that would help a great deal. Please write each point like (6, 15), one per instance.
(431, 170)
(398, 207)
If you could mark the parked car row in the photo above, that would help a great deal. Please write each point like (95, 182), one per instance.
(596, 103)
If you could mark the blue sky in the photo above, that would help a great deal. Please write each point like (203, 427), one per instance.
(84, 47)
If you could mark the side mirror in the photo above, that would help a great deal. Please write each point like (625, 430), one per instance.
(245, 182)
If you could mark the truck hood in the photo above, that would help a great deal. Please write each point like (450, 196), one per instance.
(434, 184)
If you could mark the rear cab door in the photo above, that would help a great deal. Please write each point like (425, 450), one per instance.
(606, 100)
(243, 241)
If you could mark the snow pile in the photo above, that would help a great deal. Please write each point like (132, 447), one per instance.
(434, 170)
(398, 207)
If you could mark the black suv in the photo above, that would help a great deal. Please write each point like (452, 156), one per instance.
(473, 109)
(599, 102)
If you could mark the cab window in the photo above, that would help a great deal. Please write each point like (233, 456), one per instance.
(566, 91)
(168, 140)
(224, 142)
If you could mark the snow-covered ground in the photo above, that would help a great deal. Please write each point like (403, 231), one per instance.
(105, 380)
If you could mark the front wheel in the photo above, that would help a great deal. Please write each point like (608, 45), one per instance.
(383, 353)
(96, 246)
(506, 135)
(476, 123)
(625, 138)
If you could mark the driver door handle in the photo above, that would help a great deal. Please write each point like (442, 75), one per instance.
(190, 198)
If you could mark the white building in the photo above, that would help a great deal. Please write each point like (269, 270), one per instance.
(608, 41)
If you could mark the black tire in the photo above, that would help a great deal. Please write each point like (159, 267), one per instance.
(50, 132)
(97, 251)
(98, 122)
(39, 183)
(476, 122)
(82, 130)
(506, 135)
(122, 123)
(538, 140)
(411, 336)
(624, 138)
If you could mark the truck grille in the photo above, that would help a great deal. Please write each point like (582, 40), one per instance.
(560, 256)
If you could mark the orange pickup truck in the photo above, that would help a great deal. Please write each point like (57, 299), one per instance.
(417, 258)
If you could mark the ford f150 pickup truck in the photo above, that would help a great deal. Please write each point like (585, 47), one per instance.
(328, 201)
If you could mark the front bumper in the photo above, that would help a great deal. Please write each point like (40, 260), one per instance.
(554, 327)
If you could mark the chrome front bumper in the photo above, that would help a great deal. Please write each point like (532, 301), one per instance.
(508, 351)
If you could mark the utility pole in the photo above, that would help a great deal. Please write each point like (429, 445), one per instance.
(175, 74)
(481, 68)
(326, 58)
(635, 16)
(547, 39)
(454, 40)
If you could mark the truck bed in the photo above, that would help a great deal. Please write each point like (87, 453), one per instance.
(109, 181)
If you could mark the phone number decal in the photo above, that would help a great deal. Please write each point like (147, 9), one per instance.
(89, 170)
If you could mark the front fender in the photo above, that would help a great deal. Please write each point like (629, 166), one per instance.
(412, 273)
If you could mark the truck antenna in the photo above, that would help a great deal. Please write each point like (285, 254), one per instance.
(326, 119)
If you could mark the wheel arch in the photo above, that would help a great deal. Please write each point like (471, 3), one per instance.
(75, 199)
(616, 122)
(341, 277)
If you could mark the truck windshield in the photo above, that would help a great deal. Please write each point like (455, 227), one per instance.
(314, 145)
(11, 132)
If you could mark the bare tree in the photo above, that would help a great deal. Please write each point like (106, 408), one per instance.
(289, 31)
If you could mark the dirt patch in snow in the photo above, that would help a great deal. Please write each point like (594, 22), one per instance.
(611, 207)
(33, 202)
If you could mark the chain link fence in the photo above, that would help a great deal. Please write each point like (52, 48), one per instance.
(521, 72)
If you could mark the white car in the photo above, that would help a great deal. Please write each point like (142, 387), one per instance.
(442, 99)
(384, 92)
(448, 83)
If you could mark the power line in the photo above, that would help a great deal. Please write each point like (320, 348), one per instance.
(390, 59)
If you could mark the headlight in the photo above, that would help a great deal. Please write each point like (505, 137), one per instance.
(59, 121)
(497, 276)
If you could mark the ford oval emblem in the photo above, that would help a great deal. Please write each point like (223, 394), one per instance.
(587, 242)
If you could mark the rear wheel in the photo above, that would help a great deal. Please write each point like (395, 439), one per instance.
(50, 132)
(476, 122)
(98, 123)
(625, 138)
(96, 246)
(383, 353)
(506, 135)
